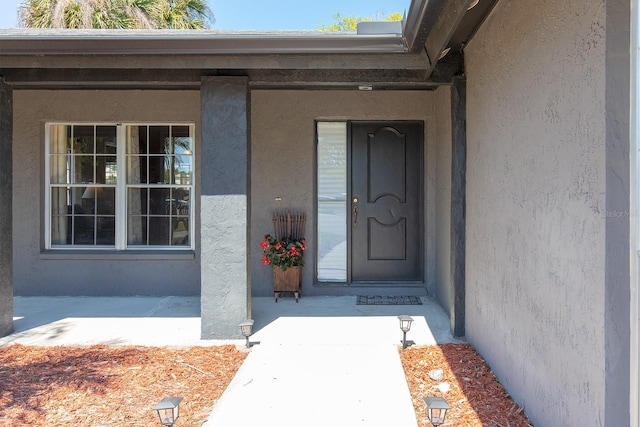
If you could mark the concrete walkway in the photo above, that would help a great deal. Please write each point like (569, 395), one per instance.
(327, 362)
(323, 361)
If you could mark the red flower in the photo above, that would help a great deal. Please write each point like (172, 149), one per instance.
(286, 252)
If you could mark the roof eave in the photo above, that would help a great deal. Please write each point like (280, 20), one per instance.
(70, 42)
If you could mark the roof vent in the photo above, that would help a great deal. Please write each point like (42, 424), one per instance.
(380, 28)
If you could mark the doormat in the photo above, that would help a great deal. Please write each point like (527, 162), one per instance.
(392, 300)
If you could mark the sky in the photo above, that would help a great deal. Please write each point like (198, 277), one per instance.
(267, 14)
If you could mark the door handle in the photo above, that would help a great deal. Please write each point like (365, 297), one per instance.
(355, 212)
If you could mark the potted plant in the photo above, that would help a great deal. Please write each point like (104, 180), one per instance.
(285, 257)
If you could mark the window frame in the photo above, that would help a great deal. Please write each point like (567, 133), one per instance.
(121, 189)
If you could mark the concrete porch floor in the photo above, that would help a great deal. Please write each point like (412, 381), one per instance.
(175, 321)
(322, 361)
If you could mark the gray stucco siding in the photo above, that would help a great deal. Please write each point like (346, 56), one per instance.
(283, 163)
(536, 185)
(39, 272)
(443, 198)
(6, 200)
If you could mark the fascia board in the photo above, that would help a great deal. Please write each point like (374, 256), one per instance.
(83, 42)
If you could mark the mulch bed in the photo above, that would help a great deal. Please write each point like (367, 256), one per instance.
(110, 386)
(475, 395)
(104, 386)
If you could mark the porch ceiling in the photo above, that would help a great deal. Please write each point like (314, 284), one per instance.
(33, 58)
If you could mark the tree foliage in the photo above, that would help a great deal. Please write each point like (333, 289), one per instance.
(115, 14)
(350, 23)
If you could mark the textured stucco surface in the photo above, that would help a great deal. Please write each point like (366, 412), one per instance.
(536, 182)
(283, 159)
(443, 197)
(39, 273)
(617, 264)
(224, 214)
(458, 204)
(6, 179)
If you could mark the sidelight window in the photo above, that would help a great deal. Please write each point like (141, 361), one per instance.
(332, 203)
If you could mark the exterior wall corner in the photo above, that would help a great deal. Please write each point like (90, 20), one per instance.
(6, 216)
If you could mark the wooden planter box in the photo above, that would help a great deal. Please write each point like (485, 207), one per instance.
(286, 281)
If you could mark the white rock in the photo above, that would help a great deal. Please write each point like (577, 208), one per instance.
(436, 374)
(443, 387)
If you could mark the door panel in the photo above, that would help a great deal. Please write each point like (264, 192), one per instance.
(386, 201)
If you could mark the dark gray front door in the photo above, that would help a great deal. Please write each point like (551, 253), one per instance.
(386, 201)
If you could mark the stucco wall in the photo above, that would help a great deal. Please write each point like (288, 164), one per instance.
(536, 185)
(6, 200)
(443, 197)
(283, 159)
(40, 273)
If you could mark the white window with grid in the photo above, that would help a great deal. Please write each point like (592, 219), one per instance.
(119, 186)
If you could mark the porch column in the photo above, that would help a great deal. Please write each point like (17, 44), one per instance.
(458, 203)
(6, 179)
(224, 214)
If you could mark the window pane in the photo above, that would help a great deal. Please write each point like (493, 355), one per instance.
(82, 168)
(136, 139)
(83, 140)
(106, 140)
(159, 231)
(332, 205)
(180, 201)
(83, 230)
(106, 166)
(90, 199)
(60, 202)
(60, 208)
(76, 207)
(137, 230)
(136, 170)
(180, 131)
(60, 139)
(111, 172)
(137, 201)
(182, 169)
(60, 230)
(180, 233)
(159, 142)
(159, 201)
(106, 232)
(106, 200)
(159, 167)
(59, 169)
(181, 140)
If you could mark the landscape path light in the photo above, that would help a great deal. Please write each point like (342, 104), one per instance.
(437, 409)
(405, 325)
(168, 410)
(246, 327)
